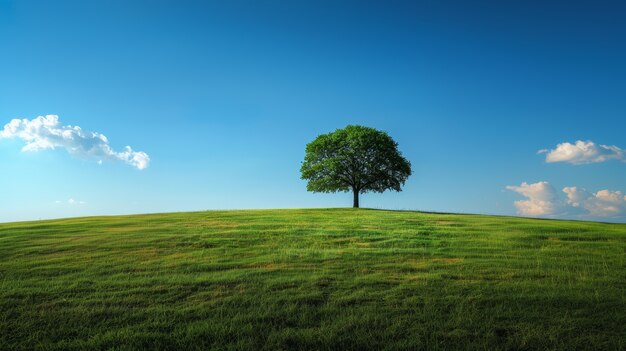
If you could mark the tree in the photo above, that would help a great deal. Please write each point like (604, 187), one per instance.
(356, 158)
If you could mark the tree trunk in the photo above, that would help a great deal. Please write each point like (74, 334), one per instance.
(355, 204)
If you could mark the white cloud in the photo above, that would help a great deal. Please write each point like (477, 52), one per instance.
(604, 203)
(71, 201)
(542, 199)
(47, 132)
(583, 152)
(576, 196)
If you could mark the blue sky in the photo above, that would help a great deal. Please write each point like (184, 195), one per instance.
(223, 96)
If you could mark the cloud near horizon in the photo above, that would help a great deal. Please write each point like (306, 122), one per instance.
(542, 200)
(583, 152)
(604, 203)
(47, 132)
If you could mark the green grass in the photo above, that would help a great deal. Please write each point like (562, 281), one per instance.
(338, 279)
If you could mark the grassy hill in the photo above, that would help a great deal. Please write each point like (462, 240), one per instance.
(338, 279)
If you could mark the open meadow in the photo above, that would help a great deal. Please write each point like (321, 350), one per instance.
(324, 279)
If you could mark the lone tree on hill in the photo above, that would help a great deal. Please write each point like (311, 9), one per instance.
(357, 159)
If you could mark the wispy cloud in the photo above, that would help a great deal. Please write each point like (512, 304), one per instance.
(583, 152)
(46, 132)
(542, 200)
(71, 201)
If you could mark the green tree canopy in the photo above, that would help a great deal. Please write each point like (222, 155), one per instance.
(355, 158)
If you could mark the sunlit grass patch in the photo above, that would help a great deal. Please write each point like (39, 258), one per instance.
(312, 279)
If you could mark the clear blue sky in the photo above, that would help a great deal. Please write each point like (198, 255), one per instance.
(223, 96)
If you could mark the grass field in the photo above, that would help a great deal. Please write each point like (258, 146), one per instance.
(338, 279)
